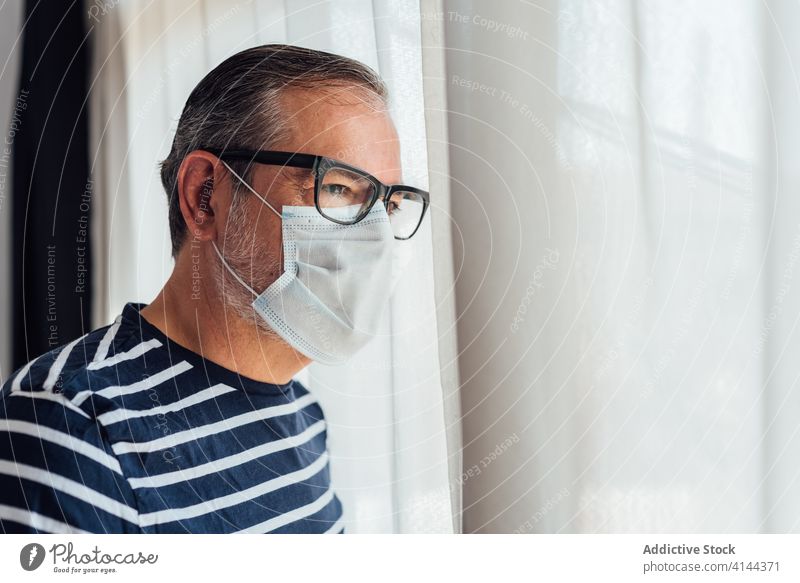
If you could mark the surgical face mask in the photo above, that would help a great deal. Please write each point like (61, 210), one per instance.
(328, 302)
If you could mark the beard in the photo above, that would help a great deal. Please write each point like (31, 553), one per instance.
(249, 257)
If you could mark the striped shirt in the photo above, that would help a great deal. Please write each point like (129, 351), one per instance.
(125, 431)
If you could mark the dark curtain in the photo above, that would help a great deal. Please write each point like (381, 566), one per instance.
(51, 198)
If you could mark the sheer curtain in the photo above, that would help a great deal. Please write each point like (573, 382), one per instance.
(388, 434)
(629, 235)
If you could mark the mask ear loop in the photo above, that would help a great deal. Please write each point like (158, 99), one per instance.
(250, 188)
(214, 243)
(231, 271)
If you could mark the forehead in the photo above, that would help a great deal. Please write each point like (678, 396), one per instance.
(344, 123)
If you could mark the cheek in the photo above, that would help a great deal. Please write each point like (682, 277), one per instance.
(275, 245)
(268, 245)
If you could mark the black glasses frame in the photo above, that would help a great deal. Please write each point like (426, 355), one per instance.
(319, 165)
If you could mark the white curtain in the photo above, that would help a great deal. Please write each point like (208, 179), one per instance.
(388, 434)
(628, 238)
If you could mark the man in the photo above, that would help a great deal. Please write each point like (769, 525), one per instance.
(183, 415)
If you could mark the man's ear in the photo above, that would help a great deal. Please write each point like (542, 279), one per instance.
(202, 195)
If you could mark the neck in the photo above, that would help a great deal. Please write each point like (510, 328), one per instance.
(196, 318)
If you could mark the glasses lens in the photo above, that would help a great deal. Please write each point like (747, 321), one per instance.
(344, 195)
(405, 210)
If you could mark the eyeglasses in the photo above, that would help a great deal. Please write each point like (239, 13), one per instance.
(345, 194)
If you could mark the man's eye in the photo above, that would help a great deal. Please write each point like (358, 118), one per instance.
(336, 190)
(393, 207)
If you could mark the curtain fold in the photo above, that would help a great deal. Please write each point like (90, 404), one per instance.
(779, 330)
(435, 90)
(385, 409)
(52, 198)
(11, 15)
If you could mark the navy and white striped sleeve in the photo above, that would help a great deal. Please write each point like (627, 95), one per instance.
(58, 473)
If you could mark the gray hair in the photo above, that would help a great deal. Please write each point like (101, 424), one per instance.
(237, 106)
